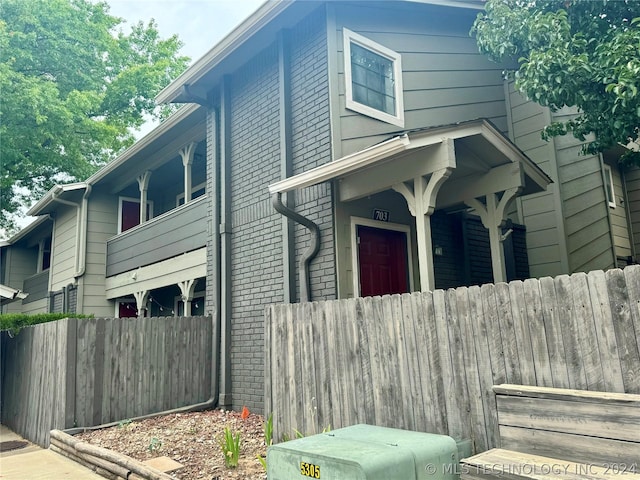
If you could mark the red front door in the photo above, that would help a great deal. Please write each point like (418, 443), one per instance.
(382, 258)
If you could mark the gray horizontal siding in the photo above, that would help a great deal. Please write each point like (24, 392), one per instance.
(539, 212)
(445, 79)
(586, 211)
(632, 184)
(37, 287)
(179, 231)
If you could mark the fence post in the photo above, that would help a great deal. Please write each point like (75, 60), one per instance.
(70, 384)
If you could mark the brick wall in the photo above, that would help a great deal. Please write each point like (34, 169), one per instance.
(311, 146)
(256, 248)
(256, 238)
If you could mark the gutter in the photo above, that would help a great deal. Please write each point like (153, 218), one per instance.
(196, 407)
(312, 251)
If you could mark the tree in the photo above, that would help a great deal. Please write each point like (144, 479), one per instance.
(582, 53)
(72, 87)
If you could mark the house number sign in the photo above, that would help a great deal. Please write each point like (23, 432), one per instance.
(380, 215)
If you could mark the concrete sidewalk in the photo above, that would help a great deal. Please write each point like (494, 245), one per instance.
(35, 463)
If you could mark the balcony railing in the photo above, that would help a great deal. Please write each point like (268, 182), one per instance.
(177, 231)
(36, 286)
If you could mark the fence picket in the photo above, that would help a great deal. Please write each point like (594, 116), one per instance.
(587, 338)
(605, 331)
(553, 331)
(626, 334)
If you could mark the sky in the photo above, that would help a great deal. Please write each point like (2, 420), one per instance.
(200, 24)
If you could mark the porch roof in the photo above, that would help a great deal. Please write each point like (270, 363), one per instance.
(8, 295)
(479, 147)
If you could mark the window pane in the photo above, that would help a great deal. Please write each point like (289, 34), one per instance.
(372, 77)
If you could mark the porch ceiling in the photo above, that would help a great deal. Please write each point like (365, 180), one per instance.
(485, 161)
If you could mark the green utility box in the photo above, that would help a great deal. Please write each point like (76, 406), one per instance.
(365, 452)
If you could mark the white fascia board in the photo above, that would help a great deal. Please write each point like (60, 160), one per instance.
(261, 17)
(12, 293)
(45, 201)
(144, 142)
(342, 166)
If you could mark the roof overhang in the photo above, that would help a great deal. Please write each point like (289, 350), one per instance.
(26, 231)
(182, 121)
(8, 295)
(470, 139)
(46, 204)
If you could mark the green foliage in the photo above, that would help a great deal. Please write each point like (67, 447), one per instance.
(154, 444)
(581, 53)
(73, 84)
(268, 431)
(13, 322)
(230, 446)
(298, 434)
(263, 461)
(124, 423)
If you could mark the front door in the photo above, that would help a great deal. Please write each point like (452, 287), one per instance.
(383, 263)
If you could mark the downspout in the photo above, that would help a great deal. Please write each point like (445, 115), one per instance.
(81, 228)
(311, 252)
(225, 306)
(83, 234)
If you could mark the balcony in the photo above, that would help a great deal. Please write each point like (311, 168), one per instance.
(173, 233)
(37, 286)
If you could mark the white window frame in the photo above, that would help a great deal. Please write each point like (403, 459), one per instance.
(132, 199)
(180, 196)
(610, 190)
(367, 222)
(41, 252)
(350, 37)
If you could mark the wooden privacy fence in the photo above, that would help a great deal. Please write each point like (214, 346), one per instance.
(86, 372)
(427, 361)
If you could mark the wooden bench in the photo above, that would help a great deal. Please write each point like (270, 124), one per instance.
(558, 433)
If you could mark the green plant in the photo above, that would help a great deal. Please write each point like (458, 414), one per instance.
(268, 431)
(124, 423)
(263, 461)
(13, 322)
(154, 444)
(230, 446)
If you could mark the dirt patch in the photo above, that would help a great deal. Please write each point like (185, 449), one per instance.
(12, 445)
(191, 439)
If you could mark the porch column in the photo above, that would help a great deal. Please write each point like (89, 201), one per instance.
(422, 202)
(143, 183)
(187, 160)
(141, 302)
(492, 215)
(186, 290)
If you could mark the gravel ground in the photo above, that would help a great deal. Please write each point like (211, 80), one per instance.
(191, 439)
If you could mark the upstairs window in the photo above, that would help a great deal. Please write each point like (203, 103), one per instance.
(44, 256)
(608, 186)
(373, 79)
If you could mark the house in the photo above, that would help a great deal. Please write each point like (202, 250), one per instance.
(329, 150)
(129, 240)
